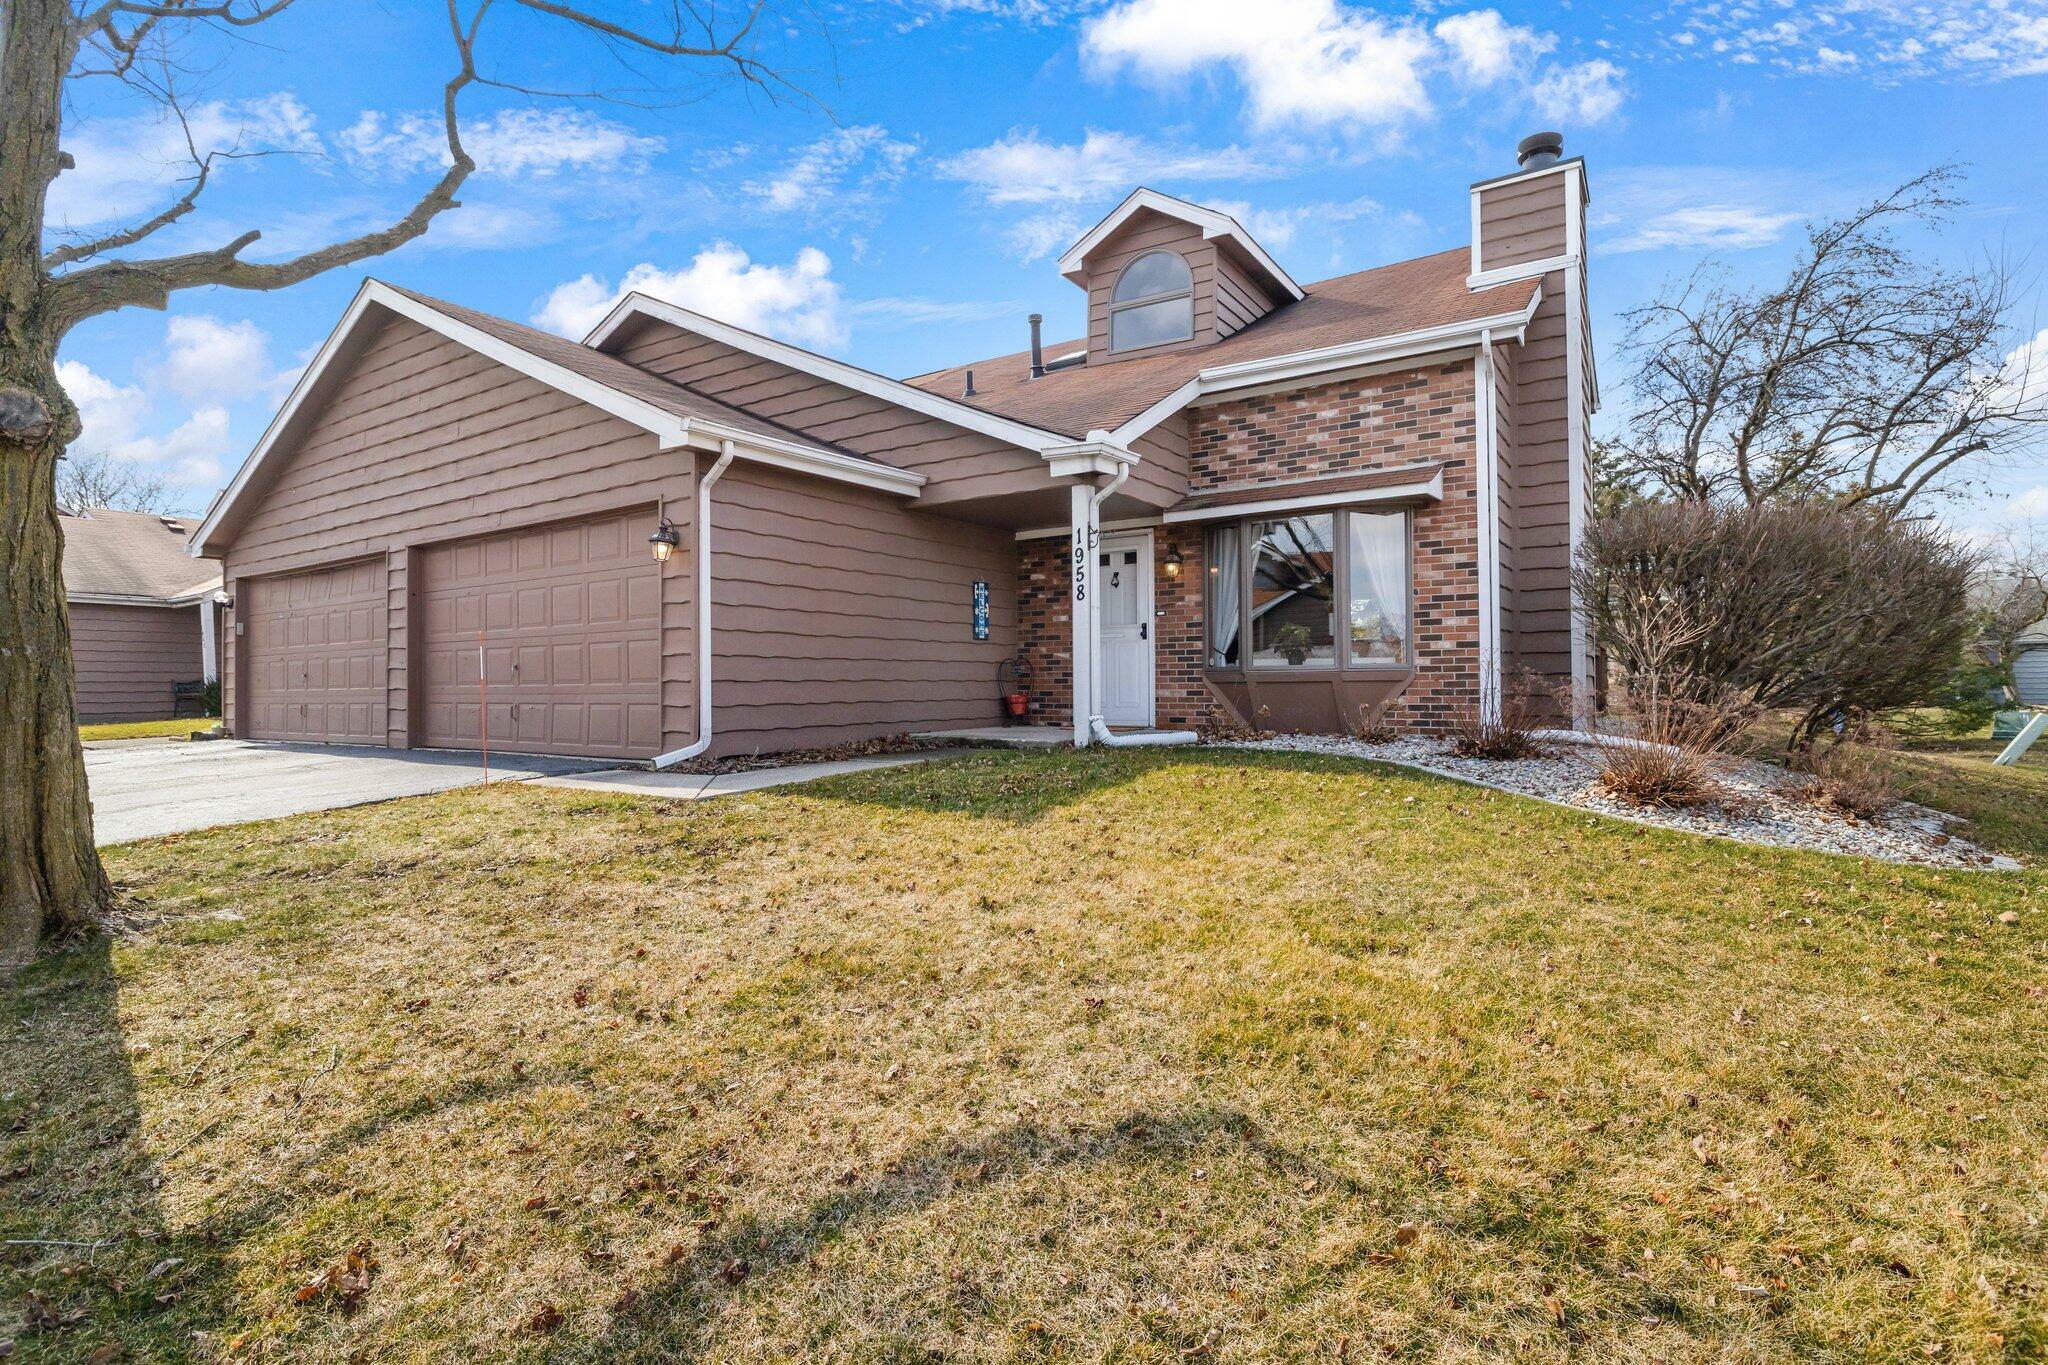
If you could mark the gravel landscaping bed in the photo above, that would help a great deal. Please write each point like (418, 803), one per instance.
(1757, 811)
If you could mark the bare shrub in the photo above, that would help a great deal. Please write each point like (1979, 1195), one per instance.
(1853, 775)
(1507, 734)
(1821, 609)
(1372, 726)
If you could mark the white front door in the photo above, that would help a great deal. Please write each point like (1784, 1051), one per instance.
(1123, 585)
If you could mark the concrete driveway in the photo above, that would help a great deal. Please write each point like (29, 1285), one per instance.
(144, 788)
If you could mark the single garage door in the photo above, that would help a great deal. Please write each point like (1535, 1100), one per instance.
(315, 646)
(568, 622)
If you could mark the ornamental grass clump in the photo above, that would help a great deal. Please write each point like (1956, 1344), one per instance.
(1855, 775)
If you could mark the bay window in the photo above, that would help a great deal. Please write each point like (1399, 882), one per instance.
(1316, 591)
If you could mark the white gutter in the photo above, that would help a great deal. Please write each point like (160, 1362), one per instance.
(703, 740)
(1098, 732)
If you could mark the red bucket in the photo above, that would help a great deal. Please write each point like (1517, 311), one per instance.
(1016, 703)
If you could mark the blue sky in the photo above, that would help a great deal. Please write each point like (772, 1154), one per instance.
(913, 220)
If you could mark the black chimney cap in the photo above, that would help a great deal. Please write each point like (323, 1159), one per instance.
(1538, 150)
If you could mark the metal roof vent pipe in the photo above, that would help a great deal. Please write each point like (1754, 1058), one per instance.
(1037, 349)
(1539, 150)
(970, 385)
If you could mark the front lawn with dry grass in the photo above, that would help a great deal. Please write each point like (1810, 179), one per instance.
(1132, 1056)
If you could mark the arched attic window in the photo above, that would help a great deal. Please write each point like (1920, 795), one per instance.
(1153, 303)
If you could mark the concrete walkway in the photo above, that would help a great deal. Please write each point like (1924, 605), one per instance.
(142, 789)
(704, 786)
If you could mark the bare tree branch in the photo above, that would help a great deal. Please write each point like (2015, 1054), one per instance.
(1869, 376)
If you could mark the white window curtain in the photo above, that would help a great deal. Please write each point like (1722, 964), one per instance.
(1226, 596)
(1379, 587)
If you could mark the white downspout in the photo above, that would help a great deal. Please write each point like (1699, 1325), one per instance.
(209, 638)
(1097, 731)
(703, 740)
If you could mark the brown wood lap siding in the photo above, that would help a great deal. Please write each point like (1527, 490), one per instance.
(839, 615)
(424, 441)
(960, 464)
(127, 658)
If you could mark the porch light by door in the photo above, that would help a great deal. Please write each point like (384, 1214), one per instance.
(1173, 562)
(664, 540)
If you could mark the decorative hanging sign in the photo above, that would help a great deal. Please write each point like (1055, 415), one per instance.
(981, 611)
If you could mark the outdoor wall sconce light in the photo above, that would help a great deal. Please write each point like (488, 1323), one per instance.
(664, 540)
(1173, 562)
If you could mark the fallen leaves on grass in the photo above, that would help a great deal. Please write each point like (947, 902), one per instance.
(343, 1283)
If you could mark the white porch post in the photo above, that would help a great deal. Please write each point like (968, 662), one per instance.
(209, 641)
(1083, 619)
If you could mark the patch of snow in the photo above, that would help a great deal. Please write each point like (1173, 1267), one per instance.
(1758, 809)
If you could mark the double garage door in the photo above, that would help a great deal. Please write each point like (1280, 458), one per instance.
(552, 635)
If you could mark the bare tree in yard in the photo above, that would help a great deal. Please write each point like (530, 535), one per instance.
(51, 880)
(94, 478)
(1868, 376)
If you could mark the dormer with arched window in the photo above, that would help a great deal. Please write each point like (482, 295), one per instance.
(1163, 274)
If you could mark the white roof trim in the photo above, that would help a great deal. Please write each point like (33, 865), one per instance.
(1429, 489)
(1212, 222)
(670, 429)
(1251, 374)
(188, 598)
(837, 371)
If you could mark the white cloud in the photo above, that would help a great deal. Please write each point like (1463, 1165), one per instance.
(128, 168)
(1707, 208)
(511, 142)
(113, 416)
(798, 302)
(1324, 64)
(815, 179)
(1275, 228)
(1885, 40)
(1308, 62)
(1022, 168)
(889, 314)
(1706, 227)
(1485, 48)
(1590, 92)
(204, 357)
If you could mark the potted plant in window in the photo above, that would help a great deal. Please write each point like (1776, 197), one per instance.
(1292, 640)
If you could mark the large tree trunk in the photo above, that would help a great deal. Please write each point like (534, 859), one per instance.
(50, 874)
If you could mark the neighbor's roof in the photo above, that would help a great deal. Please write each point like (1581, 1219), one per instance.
(1408, 296)
(138, 555)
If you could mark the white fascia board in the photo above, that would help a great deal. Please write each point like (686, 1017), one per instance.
(1267, 370)
(1212, 222)
(1528, 270)
(123, 599)
(825, 464)
(837, 371)
(1430, 489)
(666, 426)
(1107, 528)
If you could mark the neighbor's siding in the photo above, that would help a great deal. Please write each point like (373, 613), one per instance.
(127, 658)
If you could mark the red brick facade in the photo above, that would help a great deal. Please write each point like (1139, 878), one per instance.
(1356, 424)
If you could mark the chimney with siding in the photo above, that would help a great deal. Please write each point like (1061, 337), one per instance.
(1530, 223)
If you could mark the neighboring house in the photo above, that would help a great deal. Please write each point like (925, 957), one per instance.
(1301, 502)
(2030, 666)
(145, 615)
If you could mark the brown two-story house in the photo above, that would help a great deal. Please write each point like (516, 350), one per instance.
(1295, 505)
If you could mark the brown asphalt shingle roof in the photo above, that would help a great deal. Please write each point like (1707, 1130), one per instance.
(622, 375)
(1428, 291)
(132, 554)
